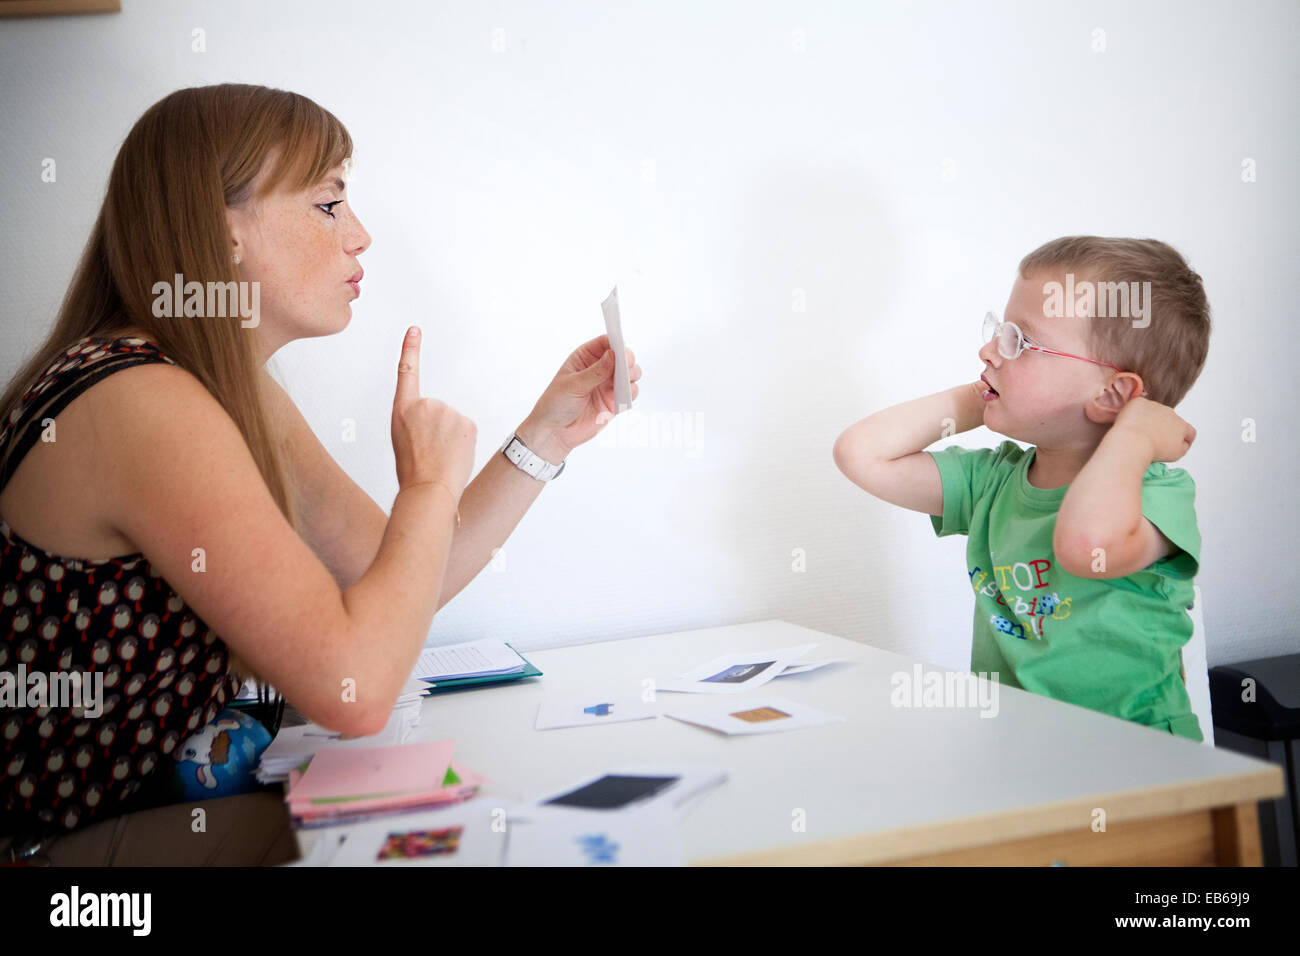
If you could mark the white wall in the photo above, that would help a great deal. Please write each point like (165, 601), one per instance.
(689, 149)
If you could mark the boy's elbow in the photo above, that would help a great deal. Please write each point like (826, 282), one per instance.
(1087, 557)
(1078, 554)
(850, 457)
(839, 452)
(1071, 564)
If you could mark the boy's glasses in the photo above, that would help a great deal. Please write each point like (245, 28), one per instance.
(1011, 341)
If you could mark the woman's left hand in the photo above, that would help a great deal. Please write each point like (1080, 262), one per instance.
(578, 402)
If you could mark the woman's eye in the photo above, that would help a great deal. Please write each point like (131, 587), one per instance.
(327, 206)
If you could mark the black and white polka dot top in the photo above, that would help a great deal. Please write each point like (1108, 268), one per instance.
(161, 671)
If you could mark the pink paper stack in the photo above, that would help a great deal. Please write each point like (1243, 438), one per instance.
(346, 786)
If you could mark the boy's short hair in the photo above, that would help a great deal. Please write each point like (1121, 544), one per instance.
(1170, 352)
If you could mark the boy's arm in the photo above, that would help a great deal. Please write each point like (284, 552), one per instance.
(883, 454)
(1103, 506)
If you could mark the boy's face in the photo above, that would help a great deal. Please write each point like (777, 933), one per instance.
(1041, 397)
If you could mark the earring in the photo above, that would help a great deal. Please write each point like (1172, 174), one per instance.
(235, 258)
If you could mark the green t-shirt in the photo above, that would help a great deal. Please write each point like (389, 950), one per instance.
(1110, 644)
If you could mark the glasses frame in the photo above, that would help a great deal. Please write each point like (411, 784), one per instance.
(993, 331)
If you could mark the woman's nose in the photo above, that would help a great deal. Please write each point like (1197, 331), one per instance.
(359, 240)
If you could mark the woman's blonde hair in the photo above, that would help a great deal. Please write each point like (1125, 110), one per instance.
(190, 156)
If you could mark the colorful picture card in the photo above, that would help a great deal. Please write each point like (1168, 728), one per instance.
(754, 715)
(467, 834)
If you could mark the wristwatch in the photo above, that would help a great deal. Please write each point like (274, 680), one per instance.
(529, 463)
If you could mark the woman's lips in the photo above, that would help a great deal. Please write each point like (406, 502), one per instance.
(356, 285)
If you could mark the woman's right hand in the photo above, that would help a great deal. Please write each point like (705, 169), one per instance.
(431, 440)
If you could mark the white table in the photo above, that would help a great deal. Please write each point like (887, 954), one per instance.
(890, 784)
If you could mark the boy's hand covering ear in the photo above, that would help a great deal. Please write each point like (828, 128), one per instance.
(1169, 435)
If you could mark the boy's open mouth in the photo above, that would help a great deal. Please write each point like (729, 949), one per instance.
(990, 393)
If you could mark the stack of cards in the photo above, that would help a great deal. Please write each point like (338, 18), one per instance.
(294, 746)
(345, 786)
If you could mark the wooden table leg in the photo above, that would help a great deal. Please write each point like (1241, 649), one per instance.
(1236, 835)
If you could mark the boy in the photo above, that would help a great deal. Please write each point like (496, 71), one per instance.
(1083, 547)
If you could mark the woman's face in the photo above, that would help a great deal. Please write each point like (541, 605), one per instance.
(301, 248)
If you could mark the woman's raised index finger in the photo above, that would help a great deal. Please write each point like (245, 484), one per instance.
(408, 368)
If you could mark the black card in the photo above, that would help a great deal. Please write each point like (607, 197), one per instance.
(611, 792)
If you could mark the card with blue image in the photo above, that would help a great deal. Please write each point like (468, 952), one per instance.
(592, 710)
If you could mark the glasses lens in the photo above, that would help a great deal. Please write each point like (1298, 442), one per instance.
(990, 324)
(1009, 341)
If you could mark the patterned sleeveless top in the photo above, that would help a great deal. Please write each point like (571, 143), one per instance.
(163, 672)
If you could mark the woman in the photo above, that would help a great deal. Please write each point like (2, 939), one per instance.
(241, 547)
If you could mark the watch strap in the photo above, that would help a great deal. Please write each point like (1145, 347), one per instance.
(531, 464)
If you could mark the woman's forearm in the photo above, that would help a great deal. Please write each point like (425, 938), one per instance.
(397, 597)
(491, 508)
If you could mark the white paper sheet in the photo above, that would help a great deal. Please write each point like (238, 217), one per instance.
(322, 851)
(471, 659)
(803, 667)
(614, 328)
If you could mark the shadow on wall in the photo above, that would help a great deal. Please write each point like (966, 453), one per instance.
(816, 270)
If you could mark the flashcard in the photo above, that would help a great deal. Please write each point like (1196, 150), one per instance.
(411, 844)
(624, 789)
(612, 792)
(735, 672)
(467, 834)
(568, 837)
(756, 715)
(803, 667)
(589, 711)
(622, 374)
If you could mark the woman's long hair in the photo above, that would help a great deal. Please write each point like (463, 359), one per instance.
(190, 156)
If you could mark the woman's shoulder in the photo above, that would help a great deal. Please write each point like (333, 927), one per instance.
(137, 406)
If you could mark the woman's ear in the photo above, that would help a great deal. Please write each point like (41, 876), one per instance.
(234, 228)
(1103, 407)
(241, 226)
